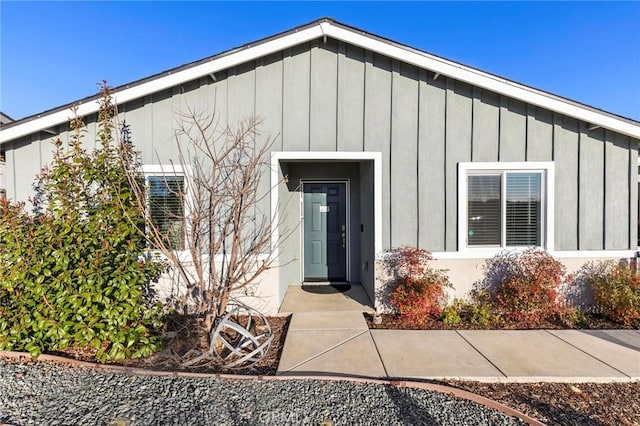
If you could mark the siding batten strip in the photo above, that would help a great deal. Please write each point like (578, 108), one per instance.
(500, 111)
(579, 169)
(394, 64)
(419, 76)
(447, 93)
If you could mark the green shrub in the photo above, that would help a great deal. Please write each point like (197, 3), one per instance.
(451, 313)
(477, 312)
(523, 285)
(616, 290)
(418, 289)
(574, 317)
(72, 272)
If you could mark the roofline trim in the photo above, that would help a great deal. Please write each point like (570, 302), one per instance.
(326, 27)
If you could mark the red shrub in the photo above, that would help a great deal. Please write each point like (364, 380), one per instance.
(524, 285)
(616, 290)
(417, 289)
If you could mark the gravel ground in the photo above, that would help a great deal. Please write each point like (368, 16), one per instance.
(44, 393)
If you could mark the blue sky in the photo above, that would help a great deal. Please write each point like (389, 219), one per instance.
(52, 53)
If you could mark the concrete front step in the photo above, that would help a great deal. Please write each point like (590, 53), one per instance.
(330, 343)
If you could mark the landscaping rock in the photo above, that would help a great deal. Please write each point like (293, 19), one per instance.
(47, 393)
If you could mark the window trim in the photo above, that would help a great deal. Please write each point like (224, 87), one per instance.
(169, 170)
(546, 168)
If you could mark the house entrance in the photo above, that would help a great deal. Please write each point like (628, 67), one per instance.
(325, 231)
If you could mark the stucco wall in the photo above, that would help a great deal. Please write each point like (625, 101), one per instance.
(464, 273)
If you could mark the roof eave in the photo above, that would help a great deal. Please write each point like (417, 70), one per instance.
(328, 28)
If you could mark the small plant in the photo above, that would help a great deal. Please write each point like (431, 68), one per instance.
(451, 313)
(574, 317)
(616, 290)
(524, 285)
(417, 289)
(477, 312)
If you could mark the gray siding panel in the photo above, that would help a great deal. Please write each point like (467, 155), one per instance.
(566, 195)
(295, 119)
(195, 96)
(377, 128)
(617, 200)
(431, 170)
(350, 98)
(513, 130)
(633, 193)
(269, 97)
(539, 134)
(591, 210)
(323, 97)
(486, 125)
(139, 117)
(404, 150)
(457, 149)
(241, 94)
(26, 166)
(268, 104)
(220, 91)
(164, 124)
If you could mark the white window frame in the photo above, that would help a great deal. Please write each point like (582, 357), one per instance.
(547, 170)
(169, 170)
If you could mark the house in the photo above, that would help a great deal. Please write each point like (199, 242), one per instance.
(386, 145)
(4, 119)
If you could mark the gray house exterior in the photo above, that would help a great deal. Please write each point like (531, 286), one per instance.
(4, 119)
(384, 145)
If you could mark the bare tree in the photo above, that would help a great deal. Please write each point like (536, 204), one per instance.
(227, 236)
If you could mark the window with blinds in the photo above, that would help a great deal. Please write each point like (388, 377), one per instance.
(484, 210)
(504, 208)
(522, 217)
(166, 208)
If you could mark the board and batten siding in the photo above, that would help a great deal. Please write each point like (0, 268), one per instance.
(330, 96)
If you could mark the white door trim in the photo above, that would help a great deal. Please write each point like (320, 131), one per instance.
(276, 186)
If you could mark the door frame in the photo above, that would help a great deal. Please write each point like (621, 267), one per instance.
(347, 259)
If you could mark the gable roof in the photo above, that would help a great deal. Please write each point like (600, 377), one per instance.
(327, 27)
(5, 119)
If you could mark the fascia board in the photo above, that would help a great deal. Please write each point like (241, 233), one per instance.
(419, 59)
(166, 82)
(481, 79)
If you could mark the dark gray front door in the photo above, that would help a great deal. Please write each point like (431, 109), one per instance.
(325, 231)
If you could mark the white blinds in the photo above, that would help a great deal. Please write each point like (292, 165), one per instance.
(483, 214)
(523, 209)
(166, 208)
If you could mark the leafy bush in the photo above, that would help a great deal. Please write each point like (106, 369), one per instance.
(417, 289)
(71, 272)
(476, 312)
(524, 285)
(616, 290)
(451, 314)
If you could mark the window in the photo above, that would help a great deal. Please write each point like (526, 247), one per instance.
(165, 198)
(505, 205)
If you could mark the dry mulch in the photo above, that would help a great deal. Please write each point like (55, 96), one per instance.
(188, 334)
(594, 322)
(564, 403)
(552, 403)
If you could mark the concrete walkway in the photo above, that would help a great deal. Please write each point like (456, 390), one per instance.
(340, 343)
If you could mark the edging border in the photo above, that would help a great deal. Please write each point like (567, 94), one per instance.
(459, 393)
